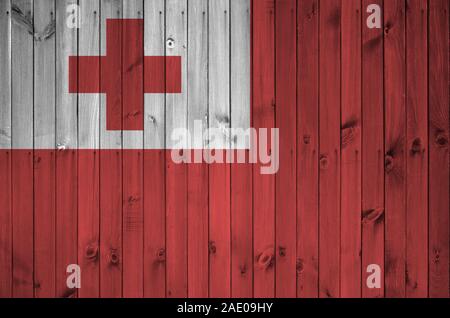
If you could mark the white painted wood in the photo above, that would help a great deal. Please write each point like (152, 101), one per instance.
(44, 75)
(219, 71)
(133, 9)
(22, 74)
(154, 45)
(198, 70)
(5, 75)
(176, 35)
(110, 9)
(66, 104)
(240, 70)
(89, 104)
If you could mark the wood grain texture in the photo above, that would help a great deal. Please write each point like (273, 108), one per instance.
(395, 148)
(241, 174)
(351, 150)
(286, 121)
(154, 162)
(111, 209)
(329, 163)
(5, 158)
(373, 161)
(263, 116)
(198, 186)
(417, 156)
(308, 149)
(176, 174)
(438, 141)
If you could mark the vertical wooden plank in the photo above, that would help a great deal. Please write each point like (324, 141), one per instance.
(263, 116)
(5, 152)
(307, 149)
(133, 217)
(66, 157)
(329, 174)
(219, 173)
(176, 174)
(417, 146)
(110, 167)
(286, 121)
(154, 161)
(22, 159)
(44, 140)
(88, 157)
(198, 173)
(372, 151)
(351, 150)
(438, 61)
(241, 174)
(395, 143)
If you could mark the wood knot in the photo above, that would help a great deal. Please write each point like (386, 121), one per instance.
(161, 255)
(372, 215)
(299, 266)
(416, 147)
(324, 162)
(132, 200)
(281, 251)
(437, 256)
(37, 160)
(113, 257)
(307, 139)
(91, 252)
(243, 269)
(388, 163)
(212, 247)
(348, 134)
(441, 140)
(265, 259)
(37, 285)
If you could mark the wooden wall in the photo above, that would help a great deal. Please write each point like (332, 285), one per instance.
(363, 117)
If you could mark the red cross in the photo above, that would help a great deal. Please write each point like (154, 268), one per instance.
(125, 74)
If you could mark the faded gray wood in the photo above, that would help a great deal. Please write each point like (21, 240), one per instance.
(176, 45)
(198, 70)
(240, 70)
(89, 104)
(133, 9)
(22, 74)
(219, 71)
(110, 9)
(154, 45)
(66, 104)
(44, 75)
(5, 74)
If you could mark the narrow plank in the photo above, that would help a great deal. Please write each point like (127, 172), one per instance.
(176, 174)
(66, 156)
(88, 157)
(241, 174)
(307, 149)
(154, 162)
(22, 160)
(219, 173)
(132, 119)
(111, 261)
(44, 159)
(438, 207)
(372, 192)
(351, 150)
(263, 116)
(198, 173)
(5, 153)
(286, 121)
(329, 173)
(417, 155)
(395, 143)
